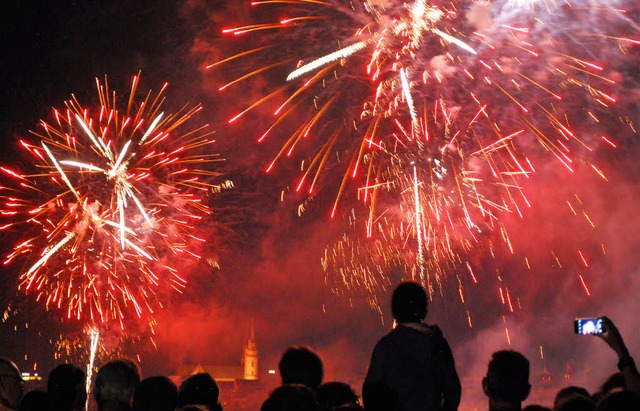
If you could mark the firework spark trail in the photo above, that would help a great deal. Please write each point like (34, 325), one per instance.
(478, 95)
(418, 211)
(93, 348)
(115, 194)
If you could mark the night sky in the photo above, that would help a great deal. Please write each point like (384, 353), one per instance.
(270, 272)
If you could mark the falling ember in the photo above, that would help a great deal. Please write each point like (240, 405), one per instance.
(108, 206)
(509, 304)
(584, 285)
(473, 277)
(584, 260)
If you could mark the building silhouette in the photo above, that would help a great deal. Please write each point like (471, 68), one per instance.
(240, 388)
(250, 358)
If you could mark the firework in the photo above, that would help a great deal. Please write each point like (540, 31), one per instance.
(439, 111)
(381, 245)
(499, 76)
(107, 207)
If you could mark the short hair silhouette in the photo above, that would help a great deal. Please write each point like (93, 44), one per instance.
(36, 400)
(156, 394)
(409, 303)
(116, 382)
(569, 392)
(619, 400)
(614, 381)
(507, 377)
(576, 402)
(11, 390)
(66, 386)
(291, 397)
(300, 365)
(199, 389)
(334, 394)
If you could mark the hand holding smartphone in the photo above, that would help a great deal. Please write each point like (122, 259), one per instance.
(588, 326)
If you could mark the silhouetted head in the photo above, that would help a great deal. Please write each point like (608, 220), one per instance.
(507, 377)
(576, 402)
(199, 389)
(334, 394)
(291, 397)
(116, 382)
(155, 394)
(619, 400)
(66, 386)
(11, 382)
(36, 400)
(569, 393)
(409, 303)
(615, 380)
(300, 365)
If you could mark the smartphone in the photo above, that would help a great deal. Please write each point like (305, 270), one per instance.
(587, 326)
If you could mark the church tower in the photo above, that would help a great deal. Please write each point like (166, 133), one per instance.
(250, 358)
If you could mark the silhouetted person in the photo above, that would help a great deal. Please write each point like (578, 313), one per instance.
(619, 400)
(116, 382)
(199, 389)
(507, 381)
(66, 387)
(573, 398)
(568, 392)
(155, 394)
(576, 403)
(11, 383)
(615, 380)
(300, 365)
(35, 400)
(332, 395)
(626, 364)
(414, 359)
(291, 397)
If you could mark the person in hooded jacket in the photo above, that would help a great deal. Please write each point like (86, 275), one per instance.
(414, 361)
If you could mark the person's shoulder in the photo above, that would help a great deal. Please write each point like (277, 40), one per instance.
(391, 337)
(436, 331)
(408, 329)
(421, 328)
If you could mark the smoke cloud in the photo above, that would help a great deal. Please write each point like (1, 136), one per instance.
(263, 261)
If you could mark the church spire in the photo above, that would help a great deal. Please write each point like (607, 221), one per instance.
(250, 357)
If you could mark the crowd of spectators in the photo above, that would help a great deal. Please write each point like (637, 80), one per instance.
(412, 369)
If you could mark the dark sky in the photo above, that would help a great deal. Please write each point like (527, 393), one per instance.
(270, 258)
